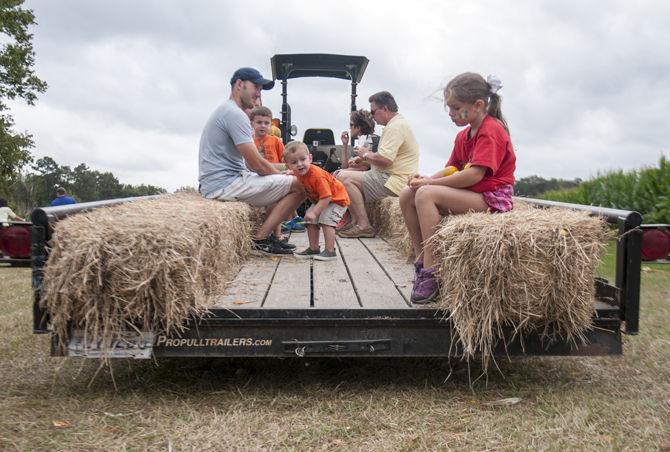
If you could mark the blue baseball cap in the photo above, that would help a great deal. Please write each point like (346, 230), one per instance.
(252, 75)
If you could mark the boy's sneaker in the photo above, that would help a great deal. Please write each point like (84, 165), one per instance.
(307, 254)
(295, 225)
(282, 243)
(326, 255)
(271, 247)
(425, 287)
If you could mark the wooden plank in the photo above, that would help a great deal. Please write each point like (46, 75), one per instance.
(331, 285)
(394, 264)
(374, 287)
(249, 287)
(300, 240)
(291, 286)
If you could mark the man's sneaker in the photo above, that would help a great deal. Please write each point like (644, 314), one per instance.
(307, 254)
(425, 287)
(326, 255)
(283, 244)
(269, 246)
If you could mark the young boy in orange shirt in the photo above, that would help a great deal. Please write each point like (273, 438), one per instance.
(329, 201)
(270, 146)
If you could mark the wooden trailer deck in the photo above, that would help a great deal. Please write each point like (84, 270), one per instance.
(368, 274)
(357, 305)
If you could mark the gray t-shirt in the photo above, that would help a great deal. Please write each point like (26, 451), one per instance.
(219, 160)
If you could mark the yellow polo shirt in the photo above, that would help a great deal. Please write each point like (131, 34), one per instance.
(398, 144)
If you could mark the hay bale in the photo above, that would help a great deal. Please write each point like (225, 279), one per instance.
(386, 217)
(529, 269)
(150, 264)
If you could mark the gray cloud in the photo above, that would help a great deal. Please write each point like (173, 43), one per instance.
(131, 83)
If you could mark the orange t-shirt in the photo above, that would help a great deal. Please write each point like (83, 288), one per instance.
(271, 148)
(320, 184)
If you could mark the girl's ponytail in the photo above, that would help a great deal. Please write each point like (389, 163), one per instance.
(494, 84)
(494, 110)
(470, 87)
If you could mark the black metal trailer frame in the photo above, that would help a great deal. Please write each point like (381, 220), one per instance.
(347, 332)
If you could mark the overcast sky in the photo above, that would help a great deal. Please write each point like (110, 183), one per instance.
(131, 83)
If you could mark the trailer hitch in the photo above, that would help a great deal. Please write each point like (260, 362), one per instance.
(356, 347)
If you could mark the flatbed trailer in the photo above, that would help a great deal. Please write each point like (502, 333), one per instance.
(355, 306)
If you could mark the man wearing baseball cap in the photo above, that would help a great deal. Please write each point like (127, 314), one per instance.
(232, 169)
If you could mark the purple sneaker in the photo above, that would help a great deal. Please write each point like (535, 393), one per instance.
(425, 288)
(418, 266)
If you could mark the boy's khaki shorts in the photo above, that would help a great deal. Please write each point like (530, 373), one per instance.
(330, 216)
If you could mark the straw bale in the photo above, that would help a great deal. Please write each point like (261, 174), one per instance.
(149, 264)
(529, 270)
(386, 217)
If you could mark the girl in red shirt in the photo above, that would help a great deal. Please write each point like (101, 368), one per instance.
(484, 163)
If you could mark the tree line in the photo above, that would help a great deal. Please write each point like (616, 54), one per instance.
(644, 190)
(532, 186)
(17, 81)
(37, 187)
(25, 189)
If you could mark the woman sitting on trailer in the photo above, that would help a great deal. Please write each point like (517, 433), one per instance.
(361, 128)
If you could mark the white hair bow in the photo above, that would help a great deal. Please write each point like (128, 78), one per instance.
(494, 83)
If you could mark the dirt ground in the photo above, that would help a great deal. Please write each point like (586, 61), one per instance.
(540, 403)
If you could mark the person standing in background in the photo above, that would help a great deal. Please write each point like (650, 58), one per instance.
(62, 198)
(7, 214)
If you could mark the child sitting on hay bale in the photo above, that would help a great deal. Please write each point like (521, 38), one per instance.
(269, 146)
(478, 177)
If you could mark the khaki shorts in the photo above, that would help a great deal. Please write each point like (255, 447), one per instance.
(373, 186)
(330, 216)
(256, 190)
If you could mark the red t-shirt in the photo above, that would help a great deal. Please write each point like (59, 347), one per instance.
(271, 148)
(320, 184)
(491, 147)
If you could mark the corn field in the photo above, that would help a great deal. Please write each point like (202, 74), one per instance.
(646, 191)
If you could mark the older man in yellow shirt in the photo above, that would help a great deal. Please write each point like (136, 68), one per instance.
(396, 160)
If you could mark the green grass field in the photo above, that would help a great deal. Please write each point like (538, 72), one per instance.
(575, 403)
